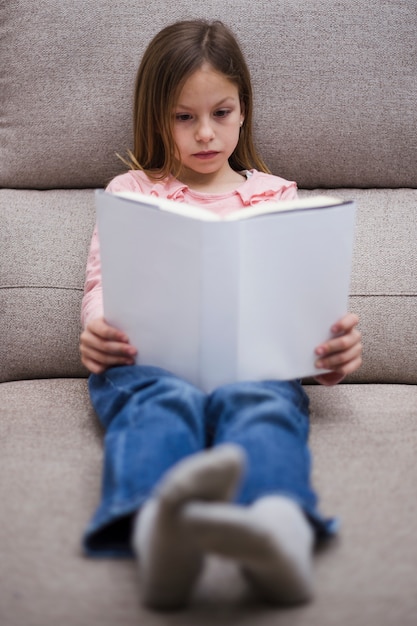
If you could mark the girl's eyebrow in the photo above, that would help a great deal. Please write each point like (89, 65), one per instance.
(218, 104)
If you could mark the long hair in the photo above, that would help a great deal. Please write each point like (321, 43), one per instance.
(174, 54)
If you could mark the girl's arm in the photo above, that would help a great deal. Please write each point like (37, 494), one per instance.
(343, 353)
(103, 346)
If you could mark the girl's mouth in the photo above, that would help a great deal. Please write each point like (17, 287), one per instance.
(209, 154)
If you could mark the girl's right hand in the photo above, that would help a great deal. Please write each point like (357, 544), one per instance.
(103, 346)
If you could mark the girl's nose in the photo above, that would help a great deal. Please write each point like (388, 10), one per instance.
(205, 131)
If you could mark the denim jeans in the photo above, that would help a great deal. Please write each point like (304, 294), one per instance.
(153, 420)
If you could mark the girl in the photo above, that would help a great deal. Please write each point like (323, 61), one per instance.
(187, 474)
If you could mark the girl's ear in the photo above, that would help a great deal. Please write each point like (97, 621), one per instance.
(242, 113)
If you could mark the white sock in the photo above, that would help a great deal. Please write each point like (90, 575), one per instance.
(272, 540)
(169, 559)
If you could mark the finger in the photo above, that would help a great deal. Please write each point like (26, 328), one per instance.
(329, 379)
(90, 340)
(99, 366)
(100, 328)
(340, 343)
(339, 358)
(345, 324)
(107, 357)
(339, 361)
(350, 367)
(92, 366)
(112, 348)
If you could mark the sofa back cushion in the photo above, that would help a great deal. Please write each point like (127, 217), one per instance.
(44, 238)
(383, 288)
(335, 85)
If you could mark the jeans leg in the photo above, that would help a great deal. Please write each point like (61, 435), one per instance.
(270, 420)
(152, 420)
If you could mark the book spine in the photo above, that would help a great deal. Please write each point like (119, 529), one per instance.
(219, 304)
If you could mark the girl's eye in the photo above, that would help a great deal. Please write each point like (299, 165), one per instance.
(182, 117)
(222, 113)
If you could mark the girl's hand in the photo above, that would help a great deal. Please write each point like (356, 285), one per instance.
(102, 346)
(343, 353)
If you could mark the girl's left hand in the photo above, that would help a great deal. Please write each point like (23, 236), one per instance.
(343, 353)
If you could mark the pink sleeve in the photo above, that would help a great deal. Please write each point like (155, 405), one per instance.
(289, 192)
(92, 303)
(265, 187)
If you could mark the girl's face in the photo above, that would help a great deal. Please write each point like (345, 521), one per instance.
(207, 121)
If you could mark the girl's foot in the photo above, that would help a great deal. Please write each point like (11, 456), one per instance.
(170, 560)
(272, 540)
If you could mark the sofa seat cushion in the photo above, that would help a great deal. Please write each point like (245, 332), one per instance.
(364, 443)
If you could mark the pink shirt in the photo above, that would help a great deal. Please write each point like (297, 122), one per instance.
(258, 187)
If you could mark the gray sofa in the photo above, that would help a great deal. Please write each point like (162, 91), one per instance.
(336, 108)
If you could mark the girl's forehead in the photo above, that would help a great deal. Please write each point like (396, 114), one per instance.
(209, 82)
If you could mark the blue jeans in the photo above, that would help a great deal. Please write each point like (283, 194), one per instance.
(154, 419)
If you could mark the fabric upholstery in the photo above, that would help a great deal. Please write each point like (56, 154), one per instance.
(336, 92)
(336, 87)
(44, 240)
(45, 237)
(50, 466)
(384, 281)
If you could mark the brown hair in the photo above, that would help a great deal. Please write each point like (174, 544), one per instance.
(173, 55)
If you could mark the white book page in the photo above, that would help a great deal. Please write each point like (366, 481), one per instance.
(158, 309)
(220, 302)
(262, 208)
(295, 277)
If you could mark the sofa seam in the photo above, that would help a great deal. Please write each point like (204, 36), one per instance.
(406, 294)
(410, 294)
(41, 287)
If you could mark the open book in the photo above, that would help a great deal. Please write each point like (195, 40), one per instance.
(219, 300)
